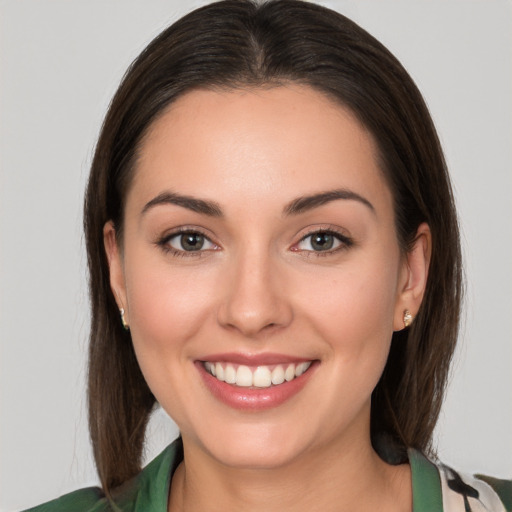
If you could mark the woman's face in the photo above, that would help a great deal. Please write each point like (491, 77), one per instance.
(259, 243)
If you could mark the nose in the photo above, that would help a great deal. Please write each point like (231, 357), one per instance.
(254, 299)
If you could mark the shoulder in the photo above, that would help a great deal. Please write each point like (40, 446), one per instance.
(502, 487)
(478, 491)
(449, 490)
(84, 500)
(146, 492)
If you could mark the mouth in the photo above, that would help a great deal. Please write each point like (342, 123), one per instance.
(261, 376)
(255, 383)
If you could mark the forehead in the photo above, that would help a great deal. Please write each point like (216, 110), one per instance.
(284, 142)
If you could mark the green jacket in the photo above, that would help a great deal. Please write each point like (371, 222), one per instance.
(436, 488)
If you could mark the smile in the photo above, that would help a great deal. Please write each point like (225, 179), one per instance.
(263, 376)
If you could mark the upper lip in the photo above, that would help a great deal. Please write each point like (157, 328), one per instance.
(253, 359)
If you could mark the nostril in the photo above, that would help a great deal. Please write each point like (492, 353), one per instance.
(252, 301)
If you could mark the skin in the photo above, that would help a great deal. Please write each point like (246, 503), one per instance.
(258, 287)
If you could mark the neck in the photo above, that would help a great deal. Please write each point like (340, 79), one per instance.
(343, 478)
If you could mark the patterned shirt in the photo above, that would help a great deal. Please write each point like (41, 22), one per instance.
(436, 488)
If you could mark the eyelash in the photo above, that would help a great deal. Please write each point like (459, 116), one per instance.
(163, 243)
(344, 243)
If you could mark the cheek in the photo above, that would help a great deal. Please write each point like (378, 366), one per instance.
(167, 307)
(364, 293)
(353, 310)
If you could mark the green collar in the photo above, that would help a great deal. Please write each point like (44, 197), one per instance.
(426, 484)
(149, 491)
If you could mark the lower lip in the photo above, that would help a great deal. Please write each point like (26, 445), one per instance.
(255, 399)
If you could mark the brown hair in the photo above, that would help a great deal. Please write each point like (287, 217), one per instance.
(236, 44)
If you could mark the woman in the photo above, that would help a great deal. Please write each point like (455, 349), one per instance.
(269, 214)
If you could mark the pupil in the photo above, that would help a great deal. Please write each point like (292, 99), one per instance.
(322, 241)
(192, 241)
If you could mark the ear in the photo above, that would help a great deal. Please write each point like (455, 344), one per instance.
(413, 276)
(115, 265)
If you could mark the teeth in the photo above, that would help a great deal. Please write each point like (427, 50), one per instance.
(277, 375)
(289, 373)
(260, 377)
(243, 376)
(219, 371)
(230, 375)
(301, 368)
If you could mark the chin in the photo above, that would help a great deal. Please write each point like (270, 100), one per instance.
(244, 457)
(256, 447)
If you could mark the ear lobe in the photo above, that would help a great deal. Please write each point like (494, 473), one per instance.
(115, 265)
(414, 276)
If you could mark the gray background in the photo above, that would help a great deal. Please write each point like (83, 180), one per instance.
(60, 63)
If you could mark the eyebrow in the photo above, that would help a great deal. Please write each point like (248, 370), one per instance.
(295, 207)
(305, 203)
(202, 206)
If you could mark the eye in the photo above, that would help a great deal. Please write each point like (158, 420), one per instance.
(323, 241)
(189, 241)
